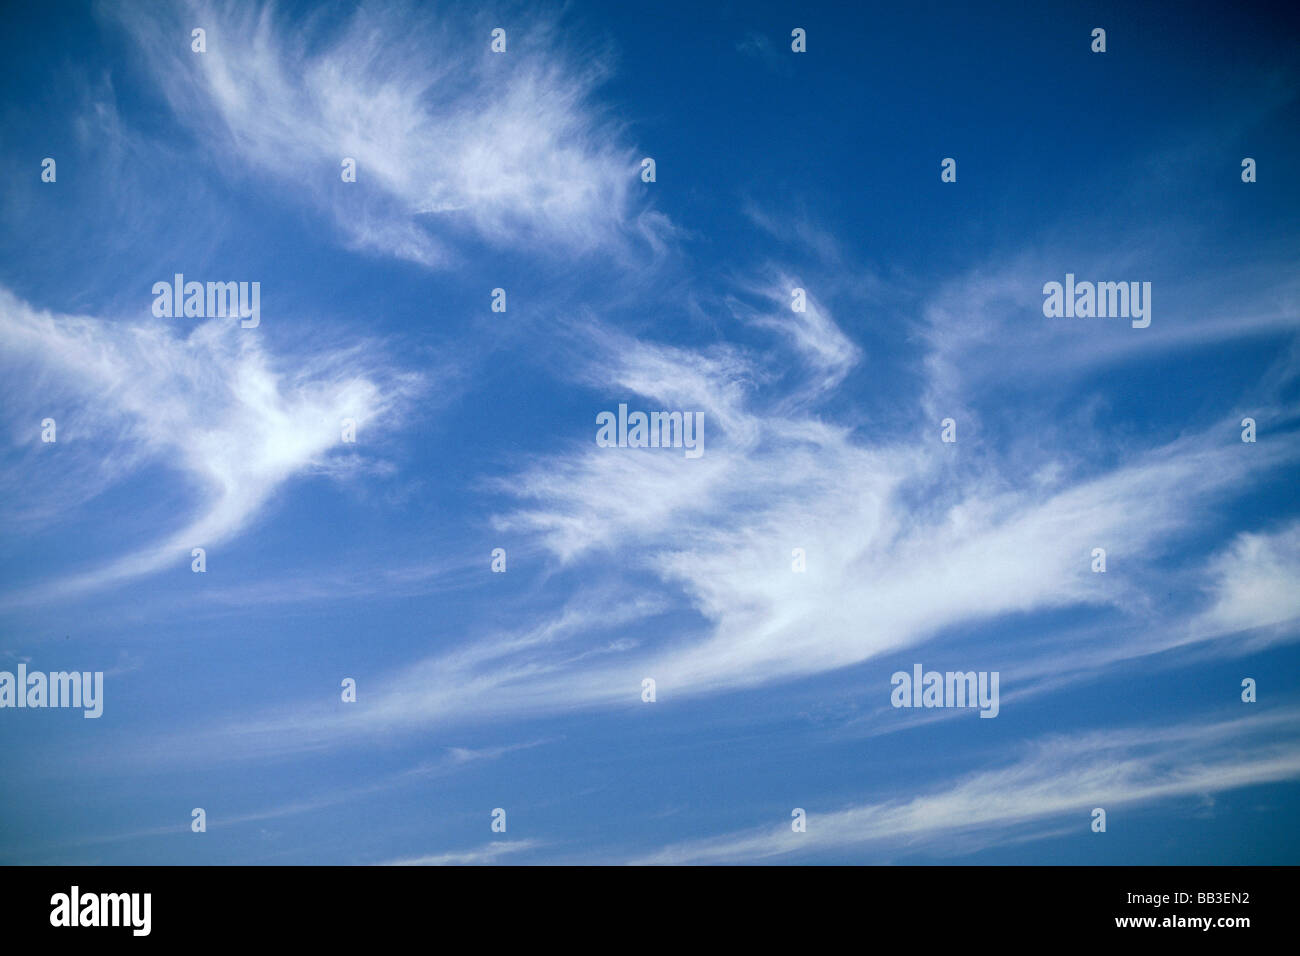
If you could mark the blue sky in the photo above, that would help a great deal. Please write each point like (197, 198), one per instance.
(476, 430)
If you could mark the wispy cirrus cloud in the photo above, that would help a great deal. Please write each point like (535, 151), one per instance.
(452, 142)
(232, 419)
(821, 432)
(904, 537)
(1255, 587)
(906, 541)
(487, 853)
(1051, 787)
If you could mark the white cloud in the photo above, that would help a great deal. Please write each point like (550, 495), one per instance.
(905, 541)
(488, 853)
(1256, 584)
(904, 536)
(986, 336)
(1054, 781)
(450, 139)
(827, 353)
(232, 420)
